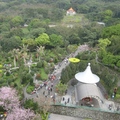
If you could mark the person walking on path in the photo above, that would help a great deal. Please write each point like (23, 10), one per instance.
(48, 92)
(65, 102)
(65, 92)
(51, 89)
(68, 100)
(52, 84)
(43, 92)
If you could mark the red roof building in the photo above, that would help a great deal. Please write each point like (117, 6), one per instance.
(70, 12)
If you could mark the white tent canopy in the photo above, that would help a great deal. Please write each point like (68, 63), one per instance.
(87, 76)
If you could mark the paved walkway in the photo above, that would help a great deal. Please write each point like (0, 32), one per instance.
(62, 117)
(57, 73)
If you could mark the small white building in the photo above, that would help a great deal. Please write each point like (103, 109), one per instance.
(101, 23)
(52, 26)
(25, 25)
(70, 12)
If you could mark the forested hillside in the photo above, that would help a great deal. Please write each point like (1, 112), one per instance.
(40, 29)
(35, 35)
(25, 20)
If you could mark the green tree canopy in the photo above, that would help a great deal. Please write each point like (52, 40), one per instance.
(110, 59)
(107, 15)
(37, 31)
(103, 43)
(43, 39)
(56, 40)
(4, 27)
(74, 39)
(56, 14)
(29, 42)
(110, 31)
(64, 4)
(114, 47)
(11, 43)
(61, 88)
(36, 23)
(16, 32)
(16, 21)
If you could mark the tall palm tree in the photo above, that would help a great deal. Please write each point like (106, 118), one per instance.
(15, 53)
(40, 51)
(24, 50)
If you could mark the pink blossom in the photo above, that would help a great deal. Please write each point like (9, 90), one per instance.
(10, 102)
(8, 98)
(20, 114)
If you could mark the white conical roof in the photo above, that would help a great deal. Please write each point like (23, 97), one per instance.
(87, 76)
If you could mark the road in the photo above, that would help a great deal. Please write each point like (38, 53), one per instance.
(56, 72)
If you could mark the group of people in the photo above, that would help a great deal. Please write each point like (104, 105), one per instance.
(48, 90)
(65, 100)
(52, 77)
(47, 87)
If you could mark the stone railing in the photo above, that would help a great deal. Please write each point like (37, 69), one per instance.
(85, 112)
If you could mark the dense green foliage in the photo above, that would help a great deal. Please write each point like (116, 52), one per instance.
(30, 19)
(108, 77)
(32, 105)
(39, 30)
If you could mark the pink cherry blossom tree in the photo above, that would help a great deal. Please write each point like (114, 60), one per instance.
(10, 102)
(20, 114)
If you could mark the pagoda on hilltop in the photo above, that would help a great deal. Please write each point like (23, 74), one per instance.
(70, 12)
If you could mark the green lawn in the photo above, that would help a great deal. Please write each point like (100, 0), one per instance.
(117, 96)
(69, 19)
(44, 76)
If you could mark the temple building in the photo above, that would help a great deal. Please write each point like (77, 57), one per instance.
(70, 12)
(87, 93)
